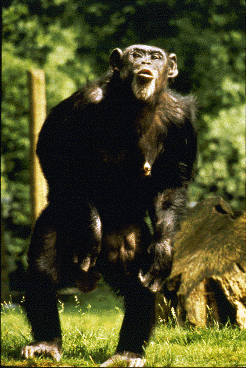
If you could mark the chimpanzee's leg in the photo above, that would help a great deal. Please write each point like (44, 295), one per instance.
(138, 321)
(65, 243)
(123, 253)
(42, 279)
(136, 329)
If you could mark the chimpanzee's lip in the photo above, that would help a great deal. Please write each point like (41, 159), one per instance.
(145, 73)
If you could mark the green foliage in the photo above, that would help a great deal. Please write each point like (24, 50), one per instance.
(71, 41)
(221, 165)
(15, 148)
(31, 41)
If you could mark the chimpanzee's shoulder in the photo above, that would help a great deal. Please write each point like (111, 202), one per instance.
(187, 103)
(90, 94)
(93, 92)
(186, 100)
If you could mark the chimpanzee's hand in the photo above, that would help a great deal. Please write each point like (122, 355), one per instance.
(160, 256)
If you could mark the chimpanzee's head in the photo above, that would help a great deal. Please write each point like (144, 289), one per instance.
(147, 68)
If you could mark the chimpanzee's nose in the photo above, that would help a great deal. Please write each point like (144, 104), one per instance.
(146, 60)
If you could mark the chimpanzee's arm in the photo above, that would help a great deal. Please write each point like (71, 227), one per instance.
(168, 206)
(167, 213)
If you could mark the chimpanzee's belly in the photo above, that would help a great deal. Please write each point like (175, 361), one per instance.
(121, 199)
(112, 182)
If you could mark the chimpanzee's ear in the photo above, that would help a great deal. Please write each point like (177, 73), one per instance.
(173, 68)
(115, 59)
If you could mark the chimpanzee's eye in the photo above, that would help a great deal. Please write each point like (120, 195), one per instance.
(156, 56)
(136, 54)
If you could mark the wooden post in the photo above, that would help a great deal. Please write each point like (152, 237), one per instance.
(37, 97)
(5, 297)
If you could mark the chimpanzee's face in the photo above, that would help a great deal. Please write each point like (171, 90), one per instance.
(147, 68)
(146, 62)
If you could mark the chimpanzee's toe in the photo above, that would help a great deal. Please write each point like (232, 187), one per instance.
(51, 348)
(129, 360)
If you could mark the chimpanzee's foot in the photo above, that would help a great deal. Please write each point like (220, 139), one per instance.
(129, 360)
(51, 348)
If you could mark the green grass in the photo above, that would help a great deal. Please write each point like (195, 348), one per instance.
(91, 325)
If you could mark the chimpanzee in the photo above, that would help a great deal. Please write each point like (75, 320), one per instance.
(118, 150)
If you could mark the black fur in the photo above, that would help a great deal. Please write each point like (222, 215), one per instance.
(93, 149)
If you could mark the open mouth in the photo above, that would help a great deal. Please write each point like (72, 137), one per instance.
(145, 73)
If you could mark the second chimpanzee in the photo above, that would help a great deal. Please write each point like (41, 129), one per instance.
(116, 150)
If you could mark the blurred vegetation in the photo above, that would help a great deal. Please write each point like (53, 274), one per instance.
(71, 41)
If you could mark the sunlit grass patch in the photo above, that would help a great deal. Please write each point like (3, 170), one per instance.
(90, 336)
(203, 347)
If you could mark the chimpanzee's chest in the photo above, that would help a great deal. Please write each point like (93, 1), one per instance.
(121, 156)
(125, 152)
(119, 187)
(122, 177)
(119, 170)
(125, 164)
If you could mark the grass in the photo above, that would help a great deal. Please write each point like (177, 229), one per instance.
(91, 325)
